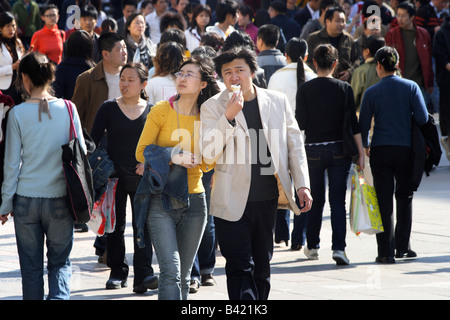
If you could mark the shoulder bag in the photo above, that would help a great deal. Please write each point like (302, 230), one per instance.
(78, 175)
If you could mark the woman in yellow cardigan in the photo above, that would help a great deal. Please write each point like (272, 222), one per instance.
(176, 235)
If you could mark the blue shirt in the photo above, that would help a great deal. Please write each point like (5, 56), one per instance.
(391, 102)
(33, 164)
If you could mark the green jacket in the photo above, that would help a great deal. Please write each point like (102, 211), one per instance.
(21, 13)
(362, 78)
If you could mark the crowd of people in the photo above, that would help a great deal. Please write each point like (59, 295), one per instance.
(222, 118)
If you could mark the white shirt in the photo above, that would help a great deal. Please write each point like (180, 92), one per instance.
(192, 39)
(314, 14)
(153, 21)
(160, 88)
(112, 80)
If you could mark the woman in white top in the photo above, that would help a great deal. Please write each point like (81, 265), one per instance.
(287, 80)
(201, 16)
(169, 57)
(34, 188)
(11, 51)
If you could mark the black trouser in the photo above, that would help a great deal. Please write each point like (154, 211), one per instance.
(391, 174)
(115, 243)
(247, 245)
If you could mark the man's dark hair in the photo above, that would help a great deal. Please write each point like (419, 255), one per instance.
(269, 34)
(225, 7)
(108, 40)
(279, 6)
(329, 14)
(129, 3)
(373, 43)
(409, 7)
(324, 4)
(236, 53)
(89, 11)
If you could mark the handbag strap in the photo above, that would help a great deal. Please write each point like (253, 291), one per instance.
(73, 133)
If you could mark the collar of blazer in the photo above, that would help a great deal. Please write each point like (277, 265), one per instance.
(264, 104)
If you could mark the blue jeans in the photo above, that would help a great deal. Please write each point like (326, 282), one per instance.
(205, 259)
(34, 220)
(176, 237)
(327, 159)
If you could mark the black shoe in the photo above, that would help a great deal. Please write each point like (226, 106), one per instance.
(150, 282)
(80, 227)
(116, 284)
(385, 260)
(406, 254)
(280, 241)
(296, 247)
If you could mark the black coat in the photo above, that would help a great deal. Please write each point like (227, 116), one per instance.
(66, 76)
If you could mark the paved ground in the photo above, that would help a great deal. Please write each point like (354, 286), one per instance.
(426, 277)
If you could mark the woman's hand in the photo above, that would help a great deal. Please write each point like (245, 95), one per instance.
(140, 169)
(305, 199)
(186, 159)
(4, 217)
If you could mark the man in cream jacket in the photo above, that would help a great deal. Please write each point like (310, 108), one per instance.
(254, 141)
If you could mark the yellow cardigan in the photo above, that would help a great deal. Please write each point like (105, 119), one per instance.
(165, 128)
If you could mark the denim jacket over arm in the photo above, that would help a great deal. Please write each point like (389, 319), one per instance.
(160, 178)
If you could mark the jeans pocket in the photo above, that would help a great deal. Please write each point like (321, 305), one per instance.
(313, 159)
(21, 205)
(59, 208)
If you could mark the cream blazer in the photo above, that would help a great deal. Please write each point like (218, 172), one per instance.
(228, 147)
(6, 71)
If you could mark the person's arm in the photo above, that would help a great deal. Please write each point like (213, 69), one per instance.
(153, 124)
(100, 123)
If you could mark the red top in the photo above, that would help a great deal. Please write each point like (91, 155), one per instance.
(49, 42)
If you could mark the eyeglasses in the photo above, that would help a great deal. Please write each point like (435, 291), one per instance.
(180, 75)
(50, 15)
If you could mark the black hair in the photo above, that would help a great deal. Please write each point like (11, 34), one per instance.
(170, 19)
(329, 14)
(373, 43)
(238, 38)
(325, 56)
(108, 40)
(204, 51)
(89, 11)
(38, 68)
(269, 34)
(388, 58)
(129, 3)
(296, 50)
(206, 69)
(261, 17)
(196, 11)
(246, 10)
(49, 7)
(225, 7)
(130, 19)
(236, 53)
(409, 7)
(6, 18)
(108, 25)
(173, 34)
(279, 6)
(213, 40)
(80, 44)
(324, 4)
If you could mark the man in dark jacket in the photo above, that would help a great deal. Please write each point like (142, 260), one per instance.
(334, 34)
(441, 52)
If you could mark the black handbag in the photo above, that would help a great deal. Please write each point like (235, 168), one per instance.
(78, 175)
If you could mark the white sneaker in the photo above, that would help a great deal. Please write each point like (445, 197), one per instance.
(311, 254)
(340, 257)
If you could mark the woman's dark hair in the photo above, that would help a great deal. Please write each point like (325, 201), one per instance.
(6, 18)
(373, 43)
(169, 56)
(213, 40)
(38, 68)
(142, 73)
(196, 11)
(80, 45)
(238, 38)
(206, 68)
(325, 55)
(108, 25)
(173, 34)
(236, 53)
(170, 19)
(388, 57)
(296, 49)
